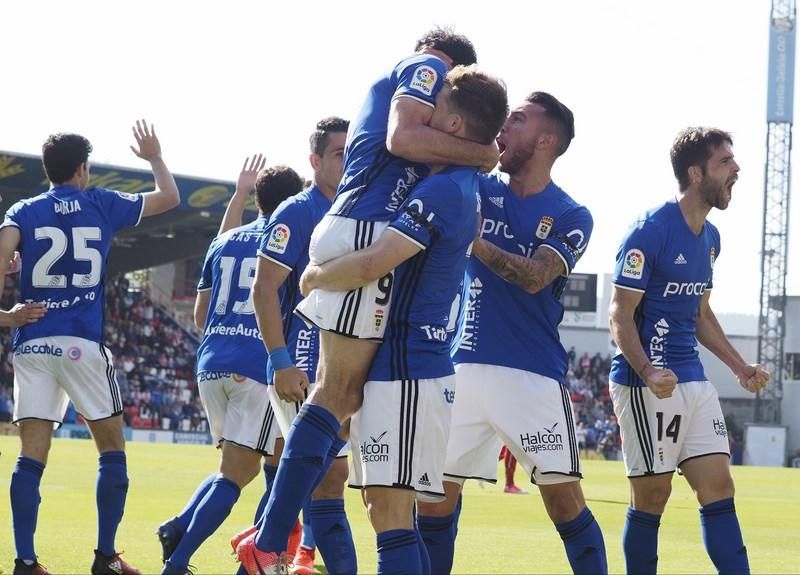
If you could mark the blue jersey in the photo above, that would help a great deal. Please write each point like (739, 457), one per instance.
(231, 339)
(65, 235)
(375, 183)
(503, 324)
(286, 244)
(662, 258)
(441, 216)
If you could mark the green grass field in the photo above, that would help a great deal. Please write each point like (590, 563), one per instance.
(499, 533)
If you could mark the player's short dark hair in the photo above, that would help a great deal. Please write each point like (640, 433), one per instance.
(62, 155)
(693, 147)
(326, 127)
(458, 47)
(275, 184)
(481, 100)
(561, 116)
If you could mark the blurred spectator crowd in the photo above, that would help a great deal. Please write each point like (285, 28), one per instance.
(597, 429)
(154, 359)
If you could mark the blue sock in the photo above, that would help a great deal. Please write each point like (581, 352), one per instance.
(583, 541)
(185, 516)
(333, 453)
(398, 552)
(307, 539)
(438, 533)
(640, 542)
(269, 479)
(209, 515)
(456, 517)
(310, 437)
(723, 537)
(333, 536)
(424, 558)
(112, 490)
(25, 501)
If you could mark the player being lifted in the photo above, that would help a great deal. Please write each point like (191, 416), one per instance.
(231, 374)
(669, 413)
(64, 236)
(532, 236)
(387, 145)
(403, 425)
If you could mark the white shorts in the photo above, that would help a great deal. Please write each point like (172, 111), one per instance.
(658, 435)
(361, 313)
(401, 431)
(237, 408)
(285, 412)
(529, 413)
(51, 371)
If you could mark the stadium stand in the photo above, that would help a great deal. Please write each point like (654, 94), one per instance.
(597, 428)
(153, 355)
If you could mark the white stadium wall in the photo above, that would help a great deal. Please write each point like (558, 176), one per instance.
(790, 406)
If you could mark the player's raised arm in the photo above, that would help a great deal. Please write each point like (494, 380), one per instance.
(710, 335)
(624, 331)
(410, 137)
(166, 196)
(245, 184)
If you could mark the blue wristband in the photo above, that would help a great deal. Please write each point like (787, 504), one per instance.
(280, 358)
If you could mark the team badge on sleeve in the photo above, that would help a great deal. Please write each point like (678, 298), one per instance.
(543, 229)
(633, 264)
(279, 239)
(424, 80)
(713, 257)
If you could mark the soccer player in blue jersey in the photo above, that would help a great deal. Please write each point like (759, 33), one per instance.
(294, 347)
(433, 232)
(669, 413)
(64, 236)
(386, 147)
(403, 426)
(231, 373)
(532, 235)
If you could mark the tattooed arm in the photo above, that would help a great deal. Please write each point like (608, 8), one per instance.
(531, 274)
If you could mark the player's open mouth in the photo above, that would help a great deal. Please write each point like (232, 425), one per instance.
(500, 145)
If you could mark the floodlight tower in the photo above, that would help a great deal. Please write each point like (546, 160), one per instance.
(777, 188)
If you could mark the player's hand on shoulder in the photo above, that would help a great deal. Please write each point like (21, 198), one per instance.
(491, 157)
(149, 148)
(308, 279)
(753, 377)
(25, 313)
(291, 383)
(661, 382)
(247, 177)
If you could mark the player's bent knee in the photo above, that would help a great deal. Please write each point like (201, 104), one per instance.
(563, 501)
(716, 489)
(442, 508)
(108, 434)
(239, 464)
(36, 436)
(650, 494)
(332, 486)
(389, 508)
